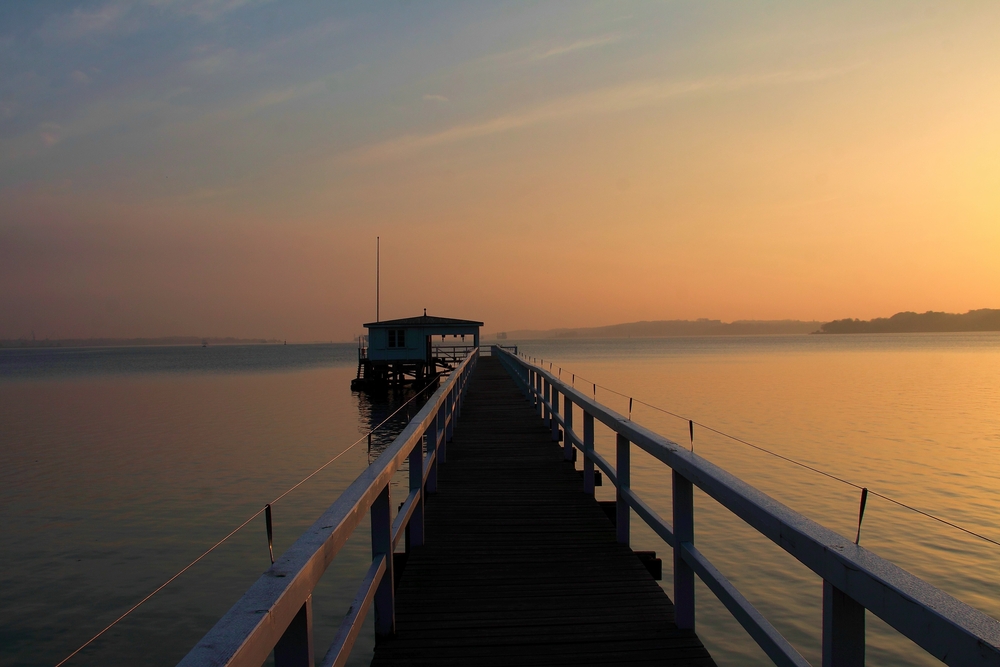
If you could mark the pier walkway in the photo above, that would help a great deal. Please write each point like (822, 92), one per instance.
(519, 564)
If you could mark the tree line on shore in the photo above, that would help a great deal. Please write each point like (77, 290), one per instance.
(984, 319)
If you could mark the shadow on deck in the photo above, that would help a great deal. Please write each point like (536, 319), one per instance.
(521, 566)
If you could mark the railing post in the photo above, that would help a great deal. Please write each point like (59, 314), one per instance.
(843, 629)
(683, 501)
(539, 395)
(568, 418)
(546, 397)
(295, 648)
(432, 438)
(588, 447)
(622, 509)
(450, 402)
(385, 597)
(555, 413)
(536, 391)
(415, 528)
(443, 432)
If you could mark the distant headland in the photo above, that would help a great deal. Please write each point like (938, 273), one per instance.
(984, 319)
(133, 342)
(669, 328)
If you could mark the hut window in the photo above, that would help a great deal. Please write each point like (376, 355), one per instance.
(397, 337)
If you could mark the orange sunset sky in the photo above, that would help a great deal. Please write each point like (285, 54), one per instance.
(222, 168)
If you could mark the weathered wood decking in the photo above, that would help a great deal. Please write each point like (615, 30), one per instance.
(520, 565)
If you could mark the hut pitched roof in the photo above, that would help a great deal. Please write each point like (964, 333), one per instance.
(424, 321)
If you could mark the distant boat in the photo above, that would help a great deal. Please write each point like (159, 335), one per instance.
(204, 342)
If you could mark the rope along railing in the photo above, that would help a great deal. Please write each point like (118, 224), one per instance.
(262, 510)
(275, 614)
(854, 579)
(694, 422)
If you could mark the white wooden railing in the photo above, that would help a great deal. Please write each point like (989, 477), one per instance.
(854, 579)
(276, 612)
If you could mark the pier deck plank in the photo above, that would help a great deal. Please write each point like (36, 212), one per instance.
(520, 565)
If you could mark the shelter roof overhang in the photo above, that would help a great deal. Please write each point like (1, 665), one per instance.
(446, 324)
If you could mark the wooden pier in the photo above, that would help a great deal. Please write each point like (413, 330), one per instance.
(520, 566)
(509, 559)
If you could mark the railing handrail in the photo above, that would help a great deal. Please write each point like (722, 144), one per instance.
(275, 612)
(945, 627)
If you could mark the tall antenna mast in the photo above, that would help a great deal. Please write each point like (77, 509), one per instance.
(377, 274)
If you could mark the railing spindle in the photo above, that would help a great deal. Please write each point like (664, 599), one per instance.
(450, 417)
(843, 629)
(546, 398)
(588, 446)
(622, 511)
(432, 439)
(538, 395)
(415, 528)
(442, 418)
(568, 418)
(385, 597)
(295, 648)
(555, 413)
(683, 501)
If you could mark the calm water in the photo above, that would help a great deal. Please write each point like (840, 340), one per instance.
(119, 466)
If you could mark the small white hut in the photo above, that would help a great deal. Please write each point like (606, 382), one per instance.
(403, 351)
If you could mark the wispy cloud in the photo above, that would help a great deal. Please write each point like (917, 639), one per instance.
(435, 98)
(104, 113)
(578, 45)
(121, 17)
(603, 101)
(275, 97)
(111, 17)
(534, 53)
(206, 10)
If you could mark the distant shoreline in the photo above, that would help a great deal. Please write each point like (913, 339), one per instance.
(671, 329)
(981, 320)
(135, 342)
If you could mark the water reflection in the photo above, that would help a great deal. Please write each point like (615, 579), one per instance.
(387, 413)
